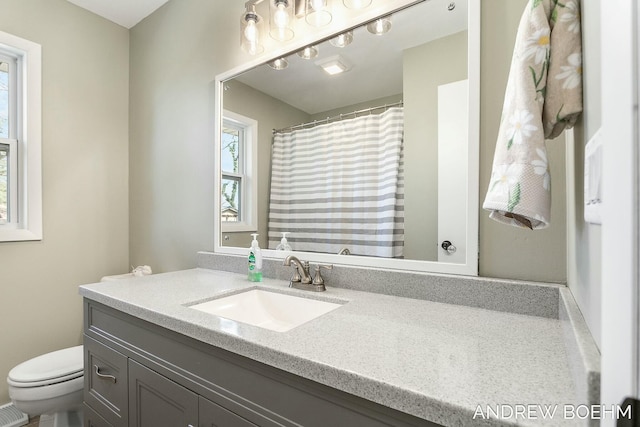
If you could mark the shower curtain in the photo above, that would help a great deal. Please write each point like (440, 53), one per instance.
(340, 185)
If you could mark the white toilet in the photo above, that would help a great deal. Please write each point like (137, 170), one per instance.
(51, 386)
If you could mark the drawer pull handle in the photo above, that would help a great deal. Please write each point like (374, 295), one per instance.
(104, 376)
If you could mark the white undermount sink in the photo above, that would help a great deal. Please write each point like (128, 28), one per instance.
(266, 309)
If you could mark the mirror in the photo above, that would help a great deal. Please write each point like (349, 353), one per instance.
(397, 186)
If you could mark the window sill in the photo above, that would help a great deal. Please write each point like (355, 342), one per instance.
(8, 234)
(238, 227)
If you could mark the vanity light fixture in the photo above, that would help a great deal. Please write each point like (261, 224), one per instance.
(283, 13)
(308, 52)
(250, 29)
(333, 65)
(342, 40)
(318, 12)
(380, 26)
(357, 4)
(278, 64)
(280, 13)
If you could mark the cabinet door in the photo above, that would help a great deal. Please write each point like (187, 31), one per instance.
(156, 401)
(212, 415)
(92, 419)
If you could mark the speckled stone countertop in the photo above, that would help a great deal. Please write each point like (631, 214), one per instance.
(439, 362)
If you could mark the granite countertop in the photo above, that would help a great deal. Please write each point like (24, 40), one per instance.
(433, 360)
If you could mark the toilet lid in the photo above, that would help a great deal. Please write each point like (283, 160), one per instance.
(51, 367)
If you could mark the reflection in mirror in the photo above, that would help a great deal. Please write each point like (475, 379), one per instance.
(362, 142)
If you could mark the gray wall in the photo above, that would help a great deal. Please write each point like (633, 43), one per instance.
(505, 251)
(425, 70)
(175, 55)
(85, 89)
(356, 107)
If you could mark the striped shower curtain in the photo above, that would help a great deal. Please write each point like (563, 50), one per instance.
(340, 185)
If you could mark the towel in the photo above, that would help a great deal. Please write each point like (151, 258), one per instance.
(543, 97)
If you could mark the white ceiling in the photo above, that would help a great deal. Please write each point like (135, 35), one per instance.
(123, 12)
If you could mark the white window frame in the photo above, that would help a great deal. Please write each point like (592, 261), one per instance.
(25, 141)
(248, 200)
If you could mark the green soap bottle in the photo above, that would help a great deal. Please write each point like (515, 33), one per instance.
(255, 261)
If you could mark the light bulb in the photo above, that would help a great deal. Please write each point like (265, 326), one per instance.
(342, 40)
(317, 13)
(281, 20)
(250, 40)
(251, 31)
(380, 26)
(278, 64)
(308, 52)
(281, 17)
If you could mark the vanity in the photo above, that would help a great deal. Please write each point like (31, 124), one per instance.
(378, 359)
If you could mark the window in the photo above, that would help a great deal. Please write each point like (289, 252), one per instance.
(20, 140)
(239, 169)
(8, 181)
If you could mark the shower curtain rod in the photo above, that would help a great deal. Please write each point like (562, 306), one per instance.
(336, 117)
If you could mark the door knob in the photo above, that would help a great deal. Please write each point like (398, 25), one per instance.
(449, 247)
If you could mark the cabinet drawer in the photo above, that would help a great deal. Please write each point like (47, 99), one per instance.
(105, 384)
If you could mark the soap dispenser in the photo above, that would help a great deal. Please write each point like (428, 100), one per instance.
(284, 245)
(255, 261)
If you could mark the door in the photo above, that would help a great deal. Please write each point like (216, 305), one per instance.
(453, 143)
(156, 401)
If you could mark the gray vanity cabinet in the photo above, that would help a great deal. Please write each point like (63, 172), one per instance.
(138, 374)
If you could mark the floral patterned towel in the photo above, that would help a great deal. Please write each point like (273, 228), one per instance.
(543, 97)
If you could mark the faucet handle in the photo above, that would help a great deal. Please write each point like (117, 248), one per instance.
(305, 267)
(296, 278)
(318, 279)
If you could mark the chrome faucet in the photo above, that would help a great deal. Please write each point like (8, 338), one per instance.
(301, 274)
(301, 278)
